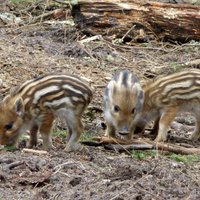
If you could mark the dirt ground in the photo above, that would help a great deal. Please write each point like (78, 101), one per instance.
(32, 50)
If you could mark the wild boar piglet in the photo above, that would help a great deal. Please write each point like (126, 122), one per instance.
(167, 96)
(35, 105)
(123, 100)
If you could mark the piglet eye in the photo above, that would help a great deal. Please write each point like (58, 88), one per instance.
(116, 108)
(133, 110)
(9, 126)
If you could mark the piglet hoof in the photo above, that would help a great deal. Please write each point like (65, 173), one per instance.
(48, 148)
(31, 145)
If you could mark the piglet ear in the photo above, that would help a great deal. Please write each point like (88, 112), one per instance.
(19, 107)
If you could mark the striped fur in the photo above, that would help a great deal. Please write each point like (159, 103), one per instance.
(123, 99)
(166, 96)
(36, 103)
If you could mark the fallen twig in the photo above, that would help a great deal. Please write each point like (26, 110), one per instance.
(87, 51)
(14, 164)
(104, 140)
(121, 148)
(40, 17)
(128, 32)
(34, 5)
(40, 152)
(175, 148)
(109, 140)
(57, 169)
(96, 37)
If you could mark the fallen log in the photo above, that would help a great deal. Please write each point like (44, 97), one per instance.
(121, 145)
(140, 20)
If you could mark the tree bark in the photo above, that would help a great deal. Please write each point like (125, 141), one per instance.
(179, 22)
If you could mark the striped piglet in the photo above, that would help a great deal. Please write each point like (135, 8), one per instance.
(123, 100)
(167, 96)
(35, 105)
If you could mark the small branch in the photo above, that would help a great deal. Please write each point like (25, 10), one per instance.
(87, 40)
(32, 6)
(35, 19)
(128, 32)
(109, 140)
(158, 146)
(40, 152)
(14, 164)
(87, 51)
(60, 166)
(176, 149)
(121, 148)
(45, 7)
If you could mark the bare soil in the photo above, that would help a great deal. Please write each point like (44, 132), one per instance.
(32, 50)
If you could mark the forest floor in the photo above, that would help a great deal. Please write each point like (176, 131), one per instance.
(32, 50)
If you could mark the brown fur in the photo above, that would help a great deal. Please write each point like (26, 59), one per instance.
(36, 104)
(122, 103)
(169, 95)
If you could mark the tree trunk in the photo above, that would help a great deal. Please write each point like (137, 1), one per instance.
(144, 21)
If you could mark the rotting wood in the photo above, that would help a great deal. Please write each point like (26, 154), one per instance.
(161, 20)
(98, 141)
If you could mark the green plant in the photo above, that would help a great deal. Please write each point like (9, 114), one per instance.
(63, 134)
(9, 148)
(86, 136)
(22, 1)
(59, 133)
(186, 159)
(142, 155)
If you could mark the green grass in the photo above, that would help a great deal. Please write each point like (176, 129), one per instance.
(9, 148)
(86, 136)
(22, 1)
(177, 67)
(63, 134)
(59, 133)
(186, 159)
(143, 155)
